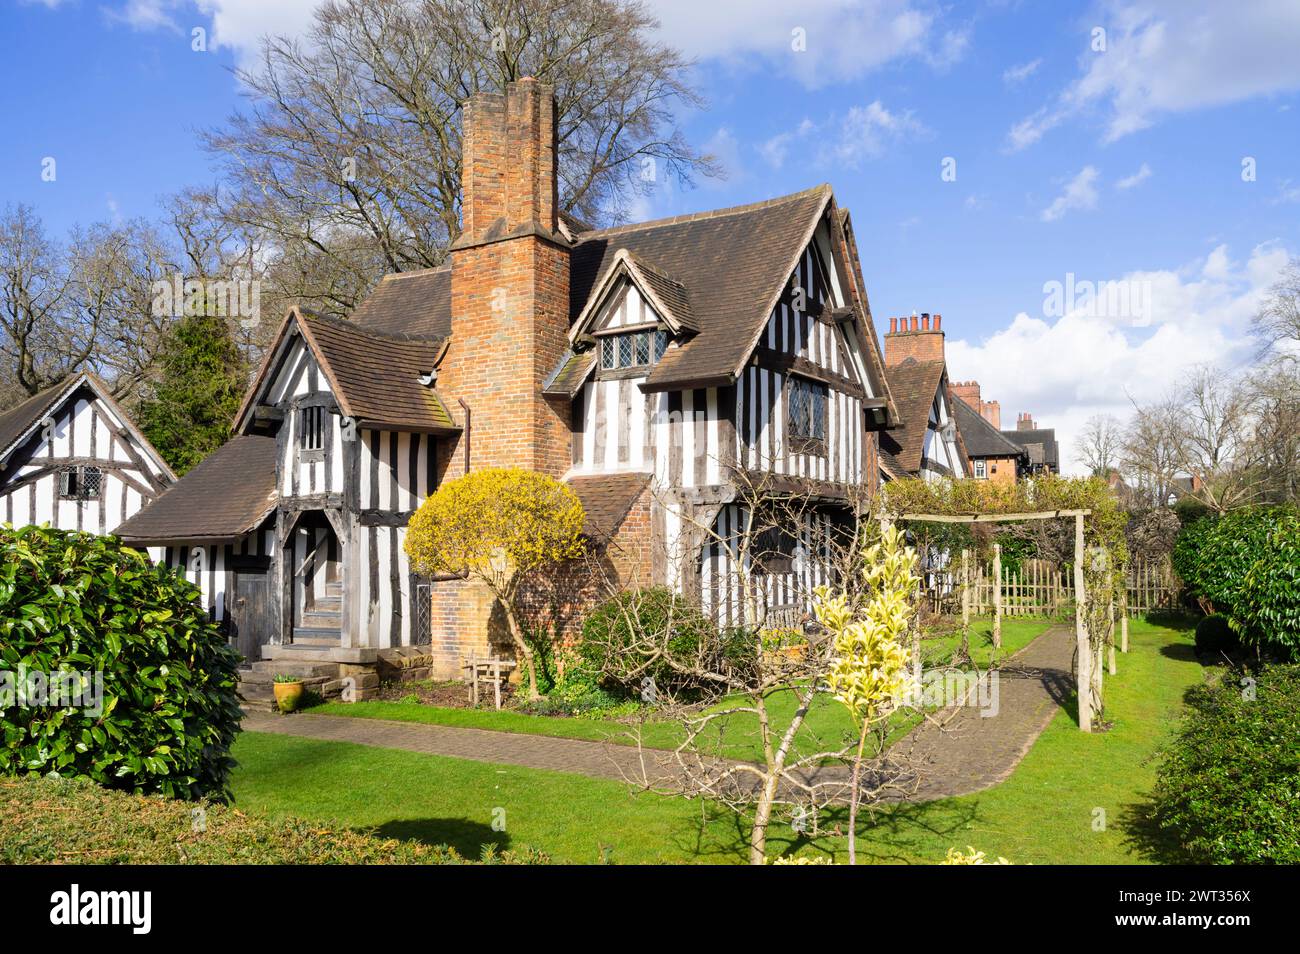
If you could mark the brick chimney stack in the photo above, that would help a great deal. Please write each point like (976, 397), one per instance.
(509, 287)
(1025, 422)
(922, 339)
(969, 391)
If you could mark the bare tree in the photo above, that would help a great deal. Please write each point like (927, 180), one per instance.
(1099, 444)
(1216, 445)
(1278, 318)
(348, 161)
(1151, 451)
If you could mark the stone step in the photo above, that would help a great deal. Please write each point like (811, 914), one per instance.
(307, 669)
(316, 636)
(330, 603)
(322, 619)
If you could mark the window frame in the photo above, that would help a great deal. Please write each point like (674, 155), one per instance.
(638, 349)
(818, 398)
(980, 467)
(311, 429)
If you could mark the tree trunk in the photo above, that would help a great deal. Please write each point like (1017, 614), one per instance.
(762, 815)
(855, 789)
(523, 649)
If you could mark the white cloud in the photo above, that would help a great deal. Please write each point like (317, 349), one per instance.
(1128, 182)
(845, 39)
(1080, 193)
(1018, 74)
(1067, 369)
(865, 131)
(775, 149)
(1171, 56)
(1289, 192)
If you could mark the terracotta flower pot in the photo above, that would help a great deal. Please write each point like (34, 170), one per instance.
(287, 695)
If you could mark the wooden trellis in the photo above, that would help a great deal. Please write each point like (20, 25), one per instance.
(1090, 660)
(1039, 589)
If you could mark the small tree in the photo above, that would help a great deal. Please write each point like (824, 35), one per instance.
(188, 414)
(500, 526)
(868, 671)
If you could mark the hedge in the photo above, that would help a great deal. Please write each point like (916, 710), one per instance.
(73, 821)
(1229, 784)
(166, 710)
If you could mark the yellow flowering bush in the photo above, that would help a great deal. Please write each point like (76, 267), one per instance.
(970, 857)
(498, 525)
(869, 665)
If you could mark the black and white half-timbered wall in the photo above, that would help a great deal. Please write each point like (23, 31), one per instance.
(71, 458)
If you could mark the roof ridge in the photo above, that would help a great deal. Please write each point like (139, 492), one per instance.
(698, 216)
(350, 325)
(445, 267)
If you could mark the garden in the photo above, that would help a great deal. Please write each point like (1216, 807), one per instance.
(1195, 759)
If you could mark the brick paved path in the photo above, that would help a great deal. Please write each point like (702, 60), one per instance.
(957, 752)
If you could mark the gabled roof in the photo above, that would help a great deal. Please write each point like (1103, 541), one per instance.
(666, 295)
(228, 494)
(982, 438)
(20, 423)
(733, 262)
(1040, 444)
(375, 377)
(914, 385)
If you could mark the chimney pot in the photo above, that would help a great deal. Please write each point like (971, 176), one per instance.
(916, 323)
(925, 320)
(937, 319)
(893, 325)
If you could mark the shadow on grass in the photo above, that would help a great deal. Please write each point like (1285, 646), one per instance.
(1183, 652)
(883, 836)
(1144, 835)
(466, 836)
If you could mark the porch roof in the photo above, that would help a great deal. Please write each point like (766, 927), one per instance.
(227, 495)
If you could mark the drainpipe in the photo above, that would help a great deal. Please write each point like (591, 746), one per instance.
(469, 428)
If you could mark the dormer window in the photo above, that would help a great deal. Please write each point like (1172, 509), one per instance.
(633, 349)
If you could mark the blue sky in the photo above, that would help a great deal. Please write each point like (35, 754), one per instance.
(1115, 164)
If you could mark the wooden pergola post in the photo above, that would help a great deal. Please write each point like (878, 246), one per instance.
(1083, 649)
(1123, 616)
(965, 589)
(997, 595)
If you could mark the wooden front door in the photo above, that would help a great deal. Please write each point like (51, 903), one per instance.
(251, 619)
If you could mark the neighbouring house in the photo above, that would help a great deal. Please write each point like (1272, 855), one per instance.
(927, 443)
(660, 369)
(1039, 443)
(992, 456)
(70, 457)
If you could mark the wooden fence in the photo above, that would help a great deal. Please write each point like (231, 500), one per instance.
(1041, 589)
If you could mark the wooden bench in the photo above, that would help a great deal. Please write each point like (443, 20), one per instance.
(490, 671)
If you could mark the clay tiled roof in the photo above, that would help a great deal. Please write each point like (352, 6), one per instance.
(417, 304)
(733, 262)
(17, 421)
(607, 498)
(228, 494)
(376, 377)
(982, 438)
(913, 384)
(890, 465)
(572, 371)
(1040, 444)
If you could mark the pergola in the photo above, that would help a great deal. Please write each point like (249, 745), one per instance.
(1085, 670)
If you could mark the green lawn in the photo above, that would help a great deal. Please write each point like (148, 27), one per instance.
(1069, 784)
(1045, 813)
(827, 727)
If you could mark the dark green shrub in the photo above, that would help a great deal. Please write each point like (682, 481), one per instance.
(654, 633)
(1188, 510)
(63, 821)
(87, 604)
(1268, 614)
(1214, 636)
(1229, 784)
(1186, 554)
(1228, 552)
